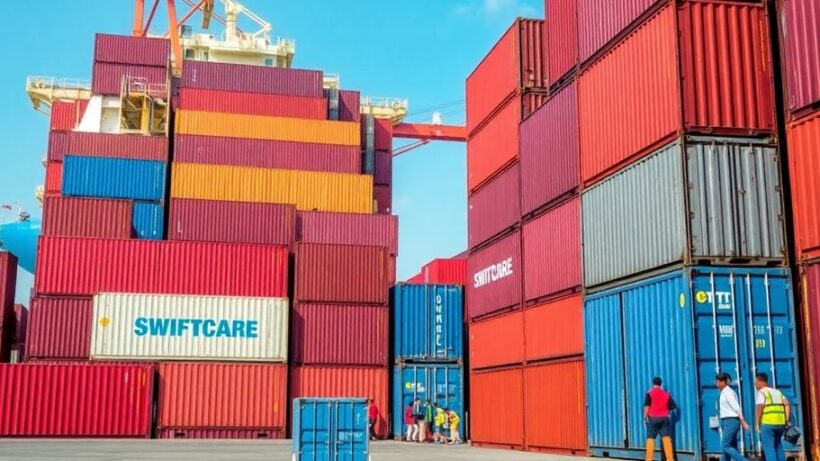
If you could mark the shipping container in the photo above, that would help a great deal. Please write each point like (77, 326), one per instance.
(107, 79)
(87, 217)
(350, 106)
(800, 43)
(737, 320)
(810, 313)
(222, 396)
(251, 79)
(600, 22)
(54, 178)
(60, 329)
(708, 199)
(325, 429)
(383, 172)
(431, 382)
(554, 329)
(149, 220)
(125, 49)
(497, 408)
(549, 149)
(83, 267)
(561, 38)
(20, 323)
(196, 433)
(105, 177)
(377, 134)
(495, 277)
(498, 341)
(66, 115)
(566, 433)
(76, 400)
(348, 229)
(383, 199)
(804, 169)
(130, 146)
(8, 285)
(341, 274)
(552, 252)
(485, 218)
(233, 222)
(307, 190)
(232, 102)
(339, 334)
(428, 323)
(452, 271)
(640, 94)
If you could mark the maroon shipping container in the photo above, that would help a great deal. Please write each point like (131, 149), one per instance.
(811, 335)
(494, 277)
(383, 174)
(8, 285)
(20, 323)
(233, 434)
(341, 274)
(494, 208)
(87, 217)
(549, 149)
(552, 251)
(267, 154)
(382, 134)
(232, 102)
(66, 115)
(60, 329)
(83, 267)
(799, 26)
(562, 37)
(251, 79)
(231, 222)
(339, 334)
(383, 196)
(348, 229)
(129, 146)
(600, 21)
(349, 106)
(106, 79)
(126, 49)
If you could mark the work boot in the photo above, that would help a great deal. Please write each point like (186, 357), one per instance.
(667, 448)
(650, 449)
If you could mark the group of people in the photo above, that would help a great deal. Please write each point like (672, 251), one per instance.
(420, 417)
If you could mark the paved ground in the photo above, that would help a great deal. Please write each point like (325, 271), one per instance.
(177, 450)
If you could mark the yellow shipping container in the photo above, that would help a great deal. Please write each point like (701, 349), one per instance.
(268, 128)
(307, 190)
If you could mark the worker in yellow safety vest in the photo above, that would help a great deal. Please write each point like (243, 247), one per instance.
(773, 416)
(439, 423)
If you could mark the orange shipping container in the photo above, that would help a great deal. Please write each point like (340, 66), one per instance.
(497, 408)
(804, 167)
(554, 329)
(556, 424)
(268, 128)
(307, 190)
(497, 341)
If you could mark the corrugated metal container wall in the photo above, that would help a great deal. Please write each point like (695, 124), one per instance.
(348, 229)
(87, 217)
(489, 392)
(567, 433)
(60, 328)
(485, 218)
(811, 334)
(494, 146)
(428, 322)
(113, 178)
(149, 220)
(639, 218)
(103, 400)
(8, 285)
(437, 383)
(340, 334)
(495, 277)
(383, 199)
(554, 329)
(552, 251)
(58, 143)
(125, 49)
(66, 115)
(382, 134)
(286, 155)
(549, 149)
(54, 178)
(222, 396)
(804, 171)
(599, 21)
(251, 79)
(167, 327)
(307, 190)
(799, 22)
(325, 429)
(197, 433)
(20, 323)
(497, 341)
(350, 106)
(331, 382)
(562, 37)
(83, 267)
(383, 173)
(135, 147)
(232, 102)
(445, 271)
(234, 222)
(341, 273)
(107, 79)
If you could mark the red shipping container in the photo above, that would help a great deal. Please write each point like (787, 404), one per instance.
(234, 434)
(554, 329)
(418, 278)
(331, 382)
(383, 196)
(804, 168)
(20, 323)
(66, 115)
(494, 208)
(126, 49)
(348, 229)
(251, 79)
(600, 21)
(497, 341)
(497, 408)
(106, 79)
(83, 267)
(552, 251)
(494, 277)
(350, 106)
(54, 178)
(267, 154)
(87, 217)
(799, 25)
(231, 222)
(451, 271)
(60, 329)
(518, 61)
(562, 37)
(222, 396)
(232, 102)
(129, 146)
(339, 334)
(58, 145)
(549, 149)
(76, 400)
(811, 334)
(383, 173)
(632, 99)
(8, 286)
(567, 434)
(341, 274)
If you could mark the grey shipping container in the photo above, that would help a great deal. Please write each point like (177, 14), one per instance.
(695, 200)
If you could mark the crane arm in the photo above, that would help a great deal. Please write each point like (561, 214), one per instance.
(430, 132)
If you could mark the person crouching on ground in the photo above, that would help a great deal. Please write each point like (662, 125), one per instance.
(439, 423)
(454, 420)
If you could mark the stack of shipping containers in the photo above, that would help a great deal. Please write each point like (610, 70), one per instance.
(452, 271)
(8, 324)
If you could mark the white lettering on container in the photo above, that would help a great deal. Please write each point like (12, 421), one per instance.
(493, 273)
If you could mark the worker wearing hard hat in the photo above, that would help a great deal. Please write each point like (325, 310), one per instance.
(658, 407)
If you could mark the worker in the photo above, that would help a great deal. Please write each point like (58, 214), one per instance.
(773, 416)
(372, 418)
(419, 417)
(410, 421)
(657, 410)
(453, 420)
(426, 425)
(439, 423)
(731, 418)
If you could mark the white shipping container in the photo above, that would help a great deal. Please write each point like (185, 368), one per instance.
(173, 327)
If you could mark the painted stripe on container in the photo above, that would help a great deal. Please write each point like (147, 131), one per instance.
(60, 328)
(233, 222)
(348, 229)
(233, 102)
(552, 251)
(497, 341)
(569, 432)
(87, 217)
(489, 392)
(554, 329)
(113, 178)
(342, 274)
(428, 322)
(804, 172)
(340, 334)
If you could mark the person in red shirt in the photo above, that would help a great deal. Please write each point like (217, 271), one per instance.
(372, 418)
(658, 406)
(411, 422)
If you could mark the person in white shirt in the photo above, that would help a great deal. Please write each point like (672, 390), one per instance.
(731, 418)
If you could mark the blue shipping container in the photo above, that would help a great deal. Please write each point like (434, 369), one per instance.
(428, 322)
(106, 177)
(686, 326)
(438, 383)
(330, 429)
(148, 220)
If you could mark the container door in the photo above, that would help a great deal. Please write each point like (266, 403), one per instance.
(314, 431)
(444, 323)
(445, 388)
(349, 422)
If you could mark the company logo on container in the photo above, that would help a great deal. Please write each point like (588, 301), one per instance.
(493, 273)
(208, 328)
(439, 328)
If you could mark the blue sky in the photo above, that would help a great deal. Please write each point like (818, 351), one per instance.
(420, 49)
